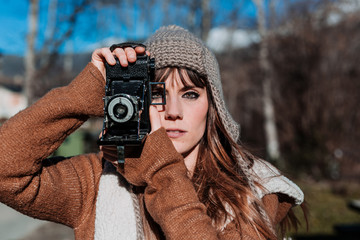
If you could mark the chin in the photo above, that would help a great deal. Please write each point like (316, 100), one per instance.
(184, 149)
(180, 148)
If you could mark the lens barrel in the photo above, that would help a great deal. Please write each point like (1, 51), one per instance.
(120, 109)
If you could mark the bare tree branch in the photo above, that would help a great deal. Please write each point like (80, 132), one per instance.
(57, 43)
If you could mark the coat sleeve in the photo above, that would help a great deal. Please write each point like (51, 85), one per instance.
(52, 189)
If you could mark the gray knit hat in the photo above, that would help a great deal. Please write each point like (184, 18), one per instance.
(173, 46)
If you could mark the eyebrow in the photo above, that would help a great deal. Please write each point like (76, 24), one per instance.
(185, 88)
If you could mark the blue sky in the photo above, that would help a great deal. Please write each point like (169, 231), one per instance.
(14, 25)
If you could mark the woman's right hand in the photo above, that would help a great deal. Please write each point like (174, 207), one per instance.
(125, 55)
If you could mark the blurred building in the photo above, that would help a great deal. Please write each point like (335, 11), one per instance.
(11, 102)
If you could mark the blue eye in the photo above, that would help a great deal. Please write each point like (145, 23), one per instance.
(191, 95)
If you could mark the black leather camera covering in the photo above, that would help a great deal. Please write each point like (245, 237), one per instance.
(129, 85)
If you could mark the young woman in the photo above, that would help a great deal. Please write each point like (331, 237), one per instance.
(192, 180)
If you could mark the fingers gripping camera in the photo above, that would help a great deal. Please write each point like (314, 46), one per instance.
(128, 95)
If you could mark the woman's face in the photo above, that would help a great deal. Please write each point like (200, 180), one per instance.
(184, 115)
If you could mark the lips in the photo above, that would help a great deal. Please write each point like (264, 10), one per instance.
(175, 133)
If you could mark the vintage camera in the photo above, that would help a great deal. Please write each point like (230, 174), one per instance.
(129, 92)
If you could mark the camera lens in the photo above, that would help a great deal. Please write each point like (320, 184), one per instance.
(120, 111)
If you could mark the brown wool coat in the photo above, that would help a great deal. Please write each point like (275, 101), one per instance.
(66, 191)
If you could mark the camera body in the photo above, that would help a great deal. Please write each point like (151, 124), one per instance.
(128, 95)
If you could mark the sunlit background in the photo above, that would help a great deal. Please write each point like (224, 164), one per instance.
(290, 72)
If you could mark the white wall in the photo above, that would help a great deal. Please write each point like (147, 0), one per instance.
(10, 103)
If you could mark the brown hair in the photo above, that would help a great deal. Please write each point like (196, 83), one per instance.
(220, 182)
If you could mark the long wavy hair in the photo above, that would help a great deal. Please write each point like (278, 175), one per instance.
(221, 182)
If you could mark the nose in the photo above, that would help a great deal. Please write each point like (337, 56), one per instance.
(173, 109)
